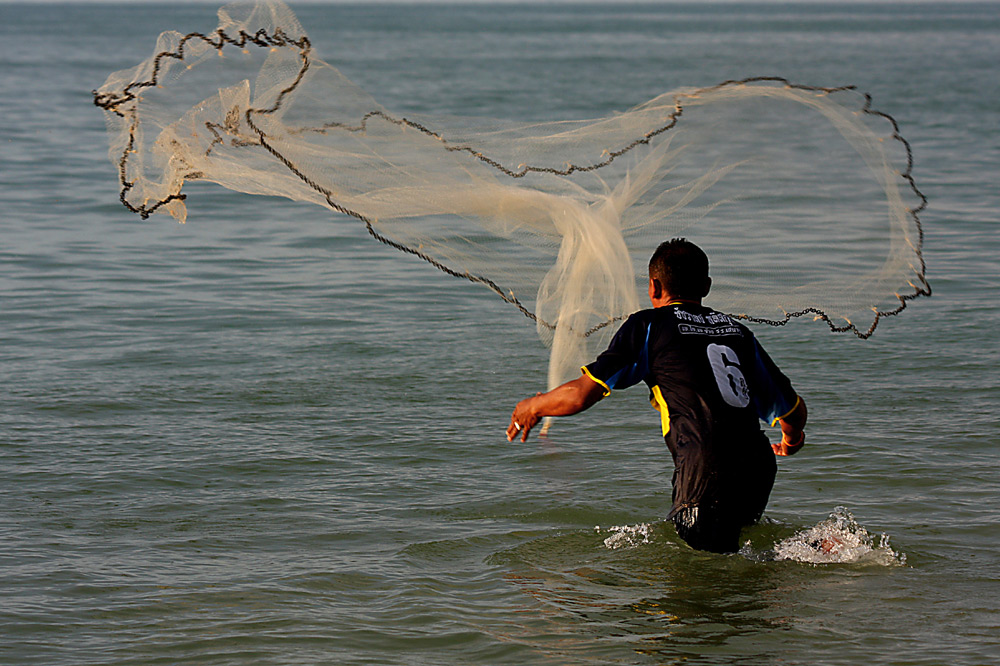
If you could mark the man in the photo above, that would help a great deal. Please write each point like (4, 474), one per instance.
(711, 382)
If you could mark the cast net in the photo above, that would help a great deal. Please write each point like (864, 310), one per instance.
(802, 196)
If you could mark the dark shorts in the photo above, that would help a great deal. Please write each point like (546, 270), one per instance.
(710, 528)
(737, 498)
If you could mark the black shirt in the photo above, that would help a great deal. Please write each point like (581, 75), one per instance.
(712, 382)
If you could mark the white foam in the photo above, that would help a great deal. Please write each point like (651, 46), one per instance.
(839, 539)
(626, 536)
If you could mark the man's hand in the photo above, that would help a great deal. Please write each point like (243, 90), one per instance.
(523, 419)
(787, 448)
(569, 398)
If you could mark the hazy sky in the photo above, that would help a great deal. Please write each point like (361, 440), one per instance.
(486, 2)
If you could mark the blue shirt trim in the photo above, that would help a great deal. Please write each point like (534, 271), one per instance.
(635, 373)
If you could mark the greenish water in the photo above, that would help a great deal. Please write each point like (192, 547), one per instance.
(262, 438)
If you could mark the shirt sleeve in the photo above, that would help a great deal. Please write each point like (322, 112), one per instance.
(773, 394)
(626, 360)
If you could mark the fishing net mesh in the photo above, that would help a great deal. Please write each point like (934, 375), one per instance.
(802, 196)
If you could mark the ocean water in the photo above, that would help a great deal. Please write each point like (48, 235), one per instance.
(263, 438)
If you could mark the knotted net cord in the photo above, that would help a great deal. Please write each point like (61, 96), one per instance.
(803, 196)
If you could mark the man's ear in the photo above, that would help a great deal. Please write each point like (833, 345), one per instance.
(655, 288)
(708, 287)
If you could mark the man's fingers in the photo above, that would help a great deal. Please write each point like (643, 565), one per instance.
(523, 428)
(518, 425)
(523, 425)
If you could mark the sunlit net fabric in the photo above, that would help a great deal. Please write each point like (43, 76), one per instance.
(802, 196)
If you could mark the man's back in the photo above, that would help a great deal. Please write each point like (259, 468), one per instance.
(701, 367)
(712, 383)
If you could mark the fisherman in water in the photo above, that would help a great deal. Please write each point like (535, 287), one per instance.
(712, 383)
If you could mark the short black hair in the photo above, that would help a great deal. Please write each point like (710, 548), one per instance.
(681, 267)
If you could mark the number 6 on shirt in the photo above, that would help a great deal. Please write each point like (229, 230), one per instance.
(732, 383)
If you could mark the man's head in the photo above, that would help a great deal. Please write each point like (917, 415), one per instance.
(678, 269)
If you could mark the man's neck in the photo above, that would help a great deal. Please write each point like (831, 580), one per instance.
(674, 300)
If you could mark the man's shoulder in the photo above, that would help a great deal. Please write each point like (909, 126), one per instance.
(643, 315)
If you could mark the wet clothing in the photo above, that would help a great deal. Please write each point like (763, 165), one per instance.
(712, 383)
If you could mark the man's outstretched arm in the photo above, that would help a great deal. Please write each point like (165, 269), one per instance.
(570, 398)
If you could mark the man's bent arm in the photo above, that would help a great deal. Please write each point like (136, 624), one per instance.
(569, 398)
(792, 434)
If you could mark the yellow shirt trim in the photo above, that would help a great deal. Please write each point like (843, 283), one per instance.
(607, 391)
(785, 416)
(660, 405)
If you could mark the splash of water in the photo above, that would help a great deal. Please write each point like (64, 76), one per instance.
(626, 536)
(839, 539)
